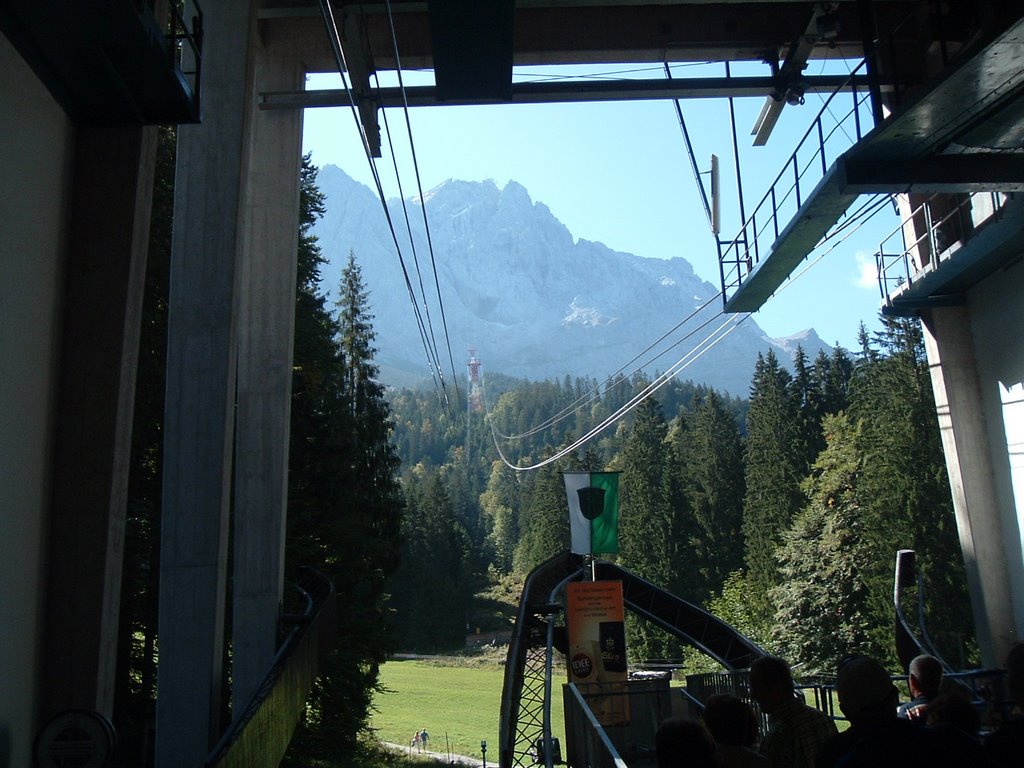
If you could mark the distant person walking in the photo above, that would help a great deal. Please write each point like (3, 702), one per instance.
(415, 742)
(424, 739)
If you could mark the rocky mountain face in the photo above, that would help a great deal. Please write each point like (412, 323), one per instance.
(533, 301)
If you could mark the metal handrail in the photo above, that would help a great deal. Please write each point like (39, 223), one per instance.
(784, 190)
(900, 264)
(185, 43)
(597, 754)
(260, 734)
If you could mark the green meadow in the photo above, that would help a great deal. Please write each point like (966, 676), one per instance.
(458, 701)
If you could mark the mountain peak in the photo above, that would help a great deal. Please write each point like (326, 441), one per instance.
(537, 302)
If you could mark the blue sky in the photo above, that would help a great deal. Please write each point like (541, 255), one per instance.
(619, 173)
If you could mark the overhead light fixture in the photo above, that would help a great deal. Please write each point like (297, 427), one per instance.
(765, 123)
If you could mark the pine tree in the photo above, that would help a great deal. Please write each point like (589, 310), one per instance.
(712, 474)
(823, 600)
(345, 504)
(434, 584)
(545, 523)
(773, 474)
(807, 398)
(834, 373)
(905, 491)
(648, 526)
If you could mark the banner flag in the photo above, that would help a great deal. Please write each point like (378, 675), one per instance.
(593, 511)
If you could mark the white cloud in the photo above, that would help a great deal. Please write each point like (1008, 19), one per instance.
(867, 272)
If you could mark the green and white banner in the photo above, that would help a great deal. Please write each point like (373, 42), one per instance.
(593, 511)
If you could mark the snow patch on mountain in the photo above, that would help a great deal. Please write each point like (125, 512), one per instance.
(588, 317)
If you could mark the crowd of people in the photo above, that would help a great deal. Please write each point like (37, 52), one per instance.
(936, 728)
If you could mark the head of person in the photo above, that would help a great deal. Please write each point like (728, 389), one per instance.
(925, 676)
(865, 691)
(681, 742)
(1015, 673)
(730, 720)
(771, 683)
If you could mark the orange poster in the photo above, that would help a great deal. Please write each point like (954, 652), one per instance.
(597, 646)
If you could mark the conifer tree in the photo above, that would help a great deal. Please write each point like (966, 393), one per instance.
(823, 600)
(648, 526)
(905, 490)
(834, 373)
(713, 477)
(806, 399)
(774, 466)
(344, 500)
(433, 587)
(545, 524)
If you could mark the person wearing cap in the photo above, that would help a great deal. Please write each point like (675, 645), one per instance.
(876, 737)
(795, 730)
(925, 680)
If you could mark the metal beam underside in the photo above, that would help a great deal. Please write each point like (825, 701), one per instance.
(559, 92)
(104, 63)
(970, 100)
(558, 32)
(816, 216)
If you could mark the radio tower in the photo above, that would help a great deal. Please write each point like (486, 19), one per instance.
(476, 390)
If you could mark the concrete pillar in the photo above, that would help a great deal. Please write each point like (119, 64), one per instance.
(959, 401)
(37, 142)
(201, 355)
(103, 289)
(266, 329)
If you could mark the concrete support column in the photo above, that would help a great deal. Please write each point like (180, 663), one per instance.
(959, 404)
(103, 288)
(201, 355)
(269, 235)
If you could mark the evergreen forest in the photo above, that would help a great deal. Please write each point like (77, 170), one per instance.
(781, 512)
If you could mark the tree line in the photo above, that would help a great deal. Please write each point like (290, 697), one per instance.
(782, 513)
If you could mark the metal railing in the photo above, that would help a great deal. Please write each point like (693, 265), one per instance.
(185, 43)
(259, 736)
(586, 738)
(819, 147)
(929, 235)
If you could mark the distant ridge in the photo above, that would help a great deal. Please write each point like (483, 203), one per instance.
(534, 302)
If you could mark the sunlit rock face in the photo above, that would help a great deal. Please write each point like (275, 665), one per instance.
(534, 301)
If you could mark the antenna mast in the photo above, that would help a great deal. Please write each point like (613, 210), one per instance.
(476, 391)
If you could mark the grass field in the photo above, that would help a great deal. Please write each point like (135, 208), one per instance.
(457, 700)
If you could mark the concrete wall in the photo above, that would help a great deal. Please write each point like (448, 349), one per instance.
(996, 307)
(35, 171)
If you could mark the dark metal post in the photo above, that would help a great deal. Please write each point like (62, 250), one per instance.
(739, 179)
(867, 33)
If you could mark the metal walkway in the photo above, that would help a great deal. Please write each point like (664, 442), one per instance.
(956, 134)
